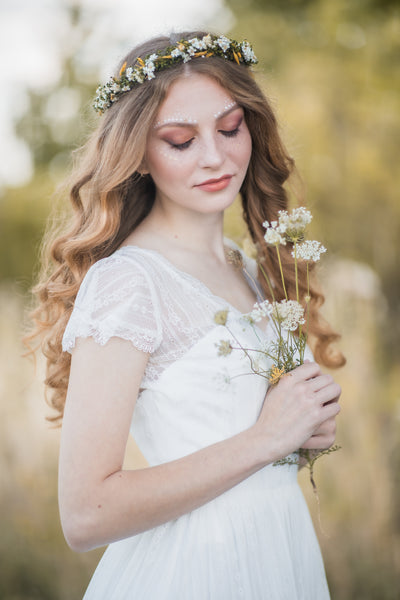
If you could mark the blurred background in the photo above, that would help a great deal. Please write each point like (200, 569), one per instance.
(332, 70)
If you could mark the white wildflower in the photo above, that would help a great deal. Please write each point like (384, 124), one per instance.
(294, 225)
(115, 87)
(273, 237)
(224, 347)
(310, 250)
(274, 233)
(260, 311)
(289, 314)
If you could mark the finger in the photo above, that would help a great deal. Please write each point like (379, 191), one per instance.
(328, 394)
(318, 443)
(321, 381)
(332, 409)
(328, 427)
(305, 371)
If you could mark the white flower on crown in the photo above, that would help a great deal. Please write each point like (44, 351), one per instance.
(198, 44)
(115, 87)
(223, 43)
(129, 74)
(139, 77)
(207, 40)
(148, 69)
(248, 52)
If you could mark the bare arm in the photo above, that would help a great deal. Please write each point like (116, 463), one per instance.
(101, 503)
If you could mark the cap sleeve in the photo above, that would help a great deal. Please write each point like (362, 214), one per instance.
(116, 298)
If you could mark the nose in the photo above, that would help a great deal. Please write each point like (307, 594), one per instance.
(211, 153)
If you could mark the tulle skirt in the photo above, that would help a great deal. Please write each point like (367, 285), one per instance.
(254, 542)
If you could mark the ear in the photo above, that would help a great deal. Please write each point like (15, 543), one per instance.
(143, 169)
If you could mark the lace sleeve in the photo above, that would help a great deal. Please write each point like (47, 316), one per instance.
(116, 298)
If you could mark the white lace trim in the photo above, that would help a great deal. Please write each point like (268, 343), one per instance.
(139, 296)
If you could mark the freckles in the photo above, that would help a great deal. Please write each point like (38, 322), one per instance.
(240, 143)
(171, 155)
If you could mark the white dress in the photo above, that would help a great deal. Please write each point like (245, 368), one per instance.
(255, 541)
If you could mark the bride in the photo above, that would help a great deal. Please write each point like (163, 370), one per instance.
(126, 320)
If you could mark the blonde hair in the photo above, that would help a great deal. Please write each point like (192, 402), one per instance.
(110, 198)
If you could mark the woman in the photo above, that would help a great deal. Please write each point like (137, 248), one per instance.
(185, 129)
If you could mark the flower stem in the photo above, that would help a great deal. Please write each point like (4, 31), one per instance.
(308, 297)
(280, 267)
(267, 279)
(296, 272)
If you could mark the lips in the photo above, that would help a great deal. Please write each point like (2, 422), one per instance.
(214, 185)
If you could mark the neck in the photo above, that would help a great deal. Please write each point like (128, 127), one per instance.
(189, 231)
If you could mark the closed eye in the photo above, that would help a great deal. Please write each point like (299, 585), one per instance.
(230, 133)
(182, 146)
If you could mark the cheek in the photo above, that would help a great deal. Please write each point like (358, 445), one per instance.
(170, 155)
(165, 165)
(162, 155)
(241, 147)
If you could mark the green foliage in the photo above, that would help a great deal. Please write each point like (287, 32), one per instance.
(23, 215)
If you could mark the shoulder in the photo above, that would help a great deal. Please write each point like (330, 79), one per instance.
(117, 297)
(116, 275)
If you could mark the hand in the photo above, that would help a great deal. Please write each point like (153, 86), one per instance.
(323, 437)
(299, 412)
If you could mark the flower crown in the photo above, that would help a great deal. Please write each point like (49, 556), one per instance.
(183, 51)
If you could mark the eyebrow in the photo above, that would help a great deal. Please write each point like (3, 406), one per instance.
(192, 123)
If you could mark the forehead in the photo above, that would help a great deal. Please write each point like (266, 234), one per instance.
(194, 95)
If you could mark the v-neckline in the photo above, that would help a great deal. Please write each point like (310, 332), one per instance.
(195, 280)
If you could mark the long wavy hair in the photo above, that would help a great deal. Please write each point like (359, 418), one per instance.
(110, 198)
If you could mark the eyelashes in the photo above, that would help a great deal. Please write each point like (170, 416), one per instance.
(229, 134)
(182, 146)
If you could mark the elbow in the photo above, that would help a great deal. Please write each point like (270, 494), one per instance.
(79, 531)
